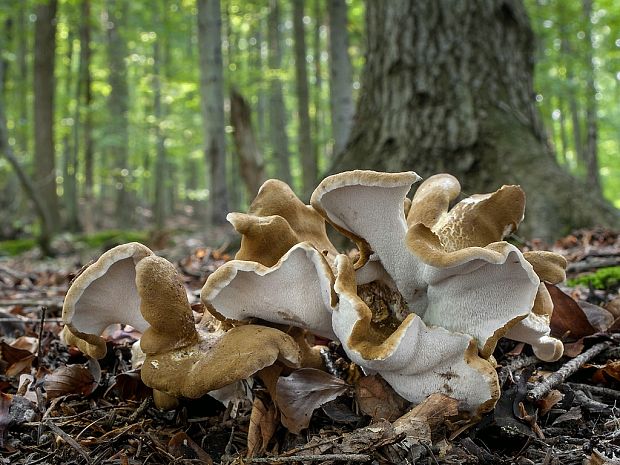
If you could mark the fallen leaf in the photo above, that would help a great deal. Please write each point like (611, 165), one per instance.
(611, 368)
(263, 424)
(72, 379)
(339, 412)
(182, 446)
(598, 317)
(25, 388)
(376, 398)
(568, 322)
(549, 401)
(425, 419)
(572, 415)
(14, 361)
(29, 343)
(130, 386)
(302, 392)
(599, 459)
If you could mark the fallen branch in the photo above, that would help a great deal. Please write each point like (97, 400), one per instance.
(597, 390)
(311, 458)
(68, 439)
(514, 365)
(566, 370)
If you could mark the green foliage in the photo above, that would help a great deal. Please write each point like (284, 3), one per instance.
(603, 278)
(16, 246)
(105, 239)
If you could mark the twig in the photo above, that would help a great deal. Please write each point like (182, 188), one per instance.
(143, 407)
(68, 439)
(43, 312)
(597, 390)
(311, 458)
(566, 370)
(514, 365)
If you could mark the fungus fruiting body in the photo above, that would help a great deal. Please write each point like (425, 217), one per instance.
(432, 289)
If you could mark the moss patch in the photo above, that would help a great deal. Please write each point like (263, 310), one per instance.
(16, 246)
(603, 278)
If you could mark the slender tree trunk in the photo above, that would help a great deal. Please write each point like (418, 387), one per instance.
(66, 136)
(573, 106)
(118, 106)
(448, 87)
(160, 160)
(308, 159)
(257, 64)
(85, 54)
(340, 72)
(277, 124)
(250, 157)
(44, 52)
(319, 119)
(45, 233)
(593, 179)
(71, 186)
(563, 132)
(212, 89)
(22, 65)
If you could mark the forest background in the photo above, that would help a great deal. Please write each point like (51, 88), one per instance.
(152, 116)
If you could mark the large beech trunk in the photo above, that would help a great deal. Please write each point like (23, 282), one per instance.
(448, 88)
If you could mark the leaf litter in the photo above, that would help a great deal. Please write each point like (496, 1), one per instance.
(58, 407)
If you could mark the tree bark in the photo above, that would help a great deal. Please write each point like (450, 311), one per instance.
(593, 179)
(340, 73)
(44, 54)
(45, 233)
(118, 105)
(250, 158)
(88, 219)
(22, 65)
(159, 206)
(319, 119)
(212, 90)
(277, 125)
(448, 87)
(308, 159)
(72, 149)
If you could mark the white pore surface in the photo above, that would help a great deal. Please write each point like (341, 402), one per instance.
(479, 297)
(376, 214)
(296, 291)
(112, 298)
(427, 360)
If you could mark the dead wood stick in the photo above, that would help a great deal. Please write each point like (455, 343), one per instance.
(311, 458)
(514, 365)
(566, 370)
(597, 390)
(68, 439)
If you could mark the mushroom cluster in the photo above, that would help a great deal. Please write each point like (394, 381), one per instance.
(430, 293)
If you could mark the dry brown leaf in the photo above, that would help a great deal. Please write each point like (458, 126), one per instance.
(263, 424)
(376, 398)
(598, 317)
(549, 401)
(427, 417)
(29, 343)
(599, 459)
(72, 379)
(130, 386)
(302, 392)
(182, 446)
(568, 321)
(613, 307)
(14, 361)
(611, 368)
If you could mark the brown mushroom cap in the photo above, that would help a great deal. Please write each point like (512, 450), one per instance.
(295, 291)
(218, 359)
(104, 294)
(415, 359)
(277, 220)
(549, 266)
(473, 222)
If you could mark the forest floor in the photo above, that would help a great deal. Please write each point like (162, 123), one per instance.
(58, 407)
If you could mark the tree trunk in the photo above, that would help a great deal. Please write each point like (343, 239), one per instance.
(44, 159)
(88, 219)
(319, 120)
(250, 158)
(593, 179)
(212, 90)
(22, 65)
(448, 87)
(45, 234)
(563, 132)
(340, 72)
(159, 206)
(70, 181)
(308, 159)
(277, 124)
(118, 106)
